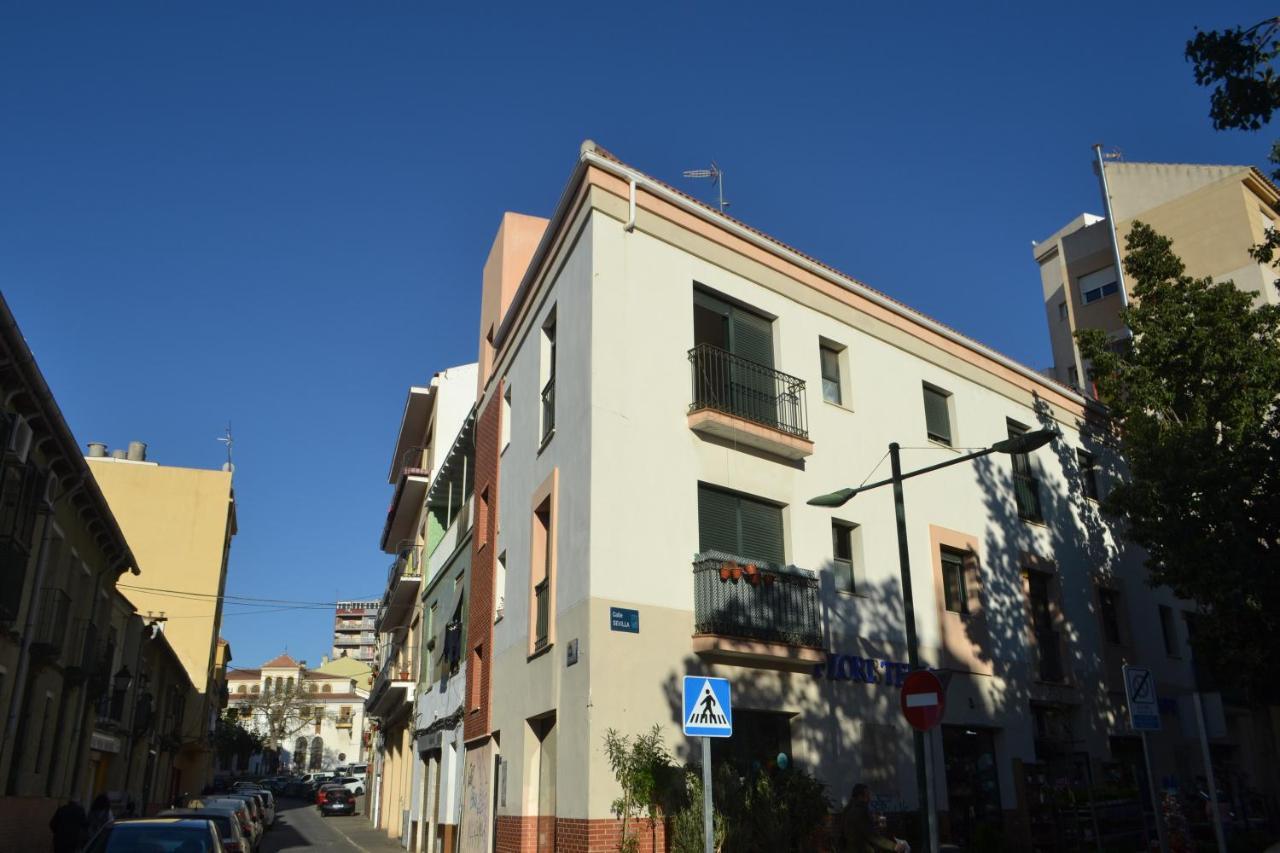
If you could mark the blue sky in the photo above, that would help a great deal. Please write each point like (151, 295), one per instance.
(276, 214)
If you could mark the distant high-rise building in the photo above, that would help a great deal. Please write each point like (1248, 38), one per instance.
(353, 630)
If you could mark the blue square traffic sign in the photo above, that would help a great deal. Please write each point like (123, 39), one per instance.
(707, 709)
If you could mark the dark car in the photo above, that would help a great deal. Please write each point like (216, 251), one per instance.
(163, 835)
(337, 800)
(225, 819)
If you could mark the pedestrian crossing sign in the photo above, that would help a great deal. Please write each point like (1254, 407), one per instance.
(707, 710)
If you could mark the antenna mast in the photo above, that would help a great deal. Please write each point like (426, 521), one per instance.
(716, 175)
(226, 439)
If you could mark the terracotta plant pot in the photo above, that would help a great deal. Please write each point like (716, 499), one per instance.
(735, 573)
(754, 580)
(725, 569)
(751, 570)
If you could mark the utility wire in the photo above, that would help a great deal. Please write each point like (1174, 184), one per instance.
(232, 599)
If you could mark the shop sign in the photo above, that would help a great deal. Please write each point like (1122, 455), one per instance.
(890, 673)
(104, 742)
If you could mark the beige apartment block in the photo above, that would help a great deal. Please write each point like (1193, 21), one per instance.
(1213, 214)
(179, 522)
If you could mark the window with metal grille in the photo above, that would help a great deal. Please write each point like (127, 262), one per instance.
(954, 589)
(541, 572)
(937, 414)
(548, 394)
(1026, 483)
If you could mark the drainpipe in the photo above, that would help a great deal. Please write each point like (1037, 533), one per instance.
(1111, 227)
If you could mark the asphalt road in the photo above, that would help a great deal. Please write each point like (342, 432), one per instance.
(299, 826)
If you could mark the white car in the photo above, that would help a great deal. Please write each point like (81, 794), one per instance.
(351, 783)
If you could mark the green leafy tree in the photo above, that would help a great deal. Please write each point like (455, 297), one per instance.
(1194, 401)
(645, 773)
(688, 833)
(232, 740)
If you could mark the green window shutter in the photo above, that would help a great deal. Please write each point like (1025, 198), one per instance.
(761, 531)
(936, 417)
(717, 520)
(751, 337)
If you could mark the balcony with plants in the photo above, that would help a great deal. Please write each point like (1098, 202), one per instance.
(740, 400)
(755, 613)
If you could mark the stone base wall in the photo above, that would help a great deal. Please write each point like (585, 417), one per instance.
(522, 834)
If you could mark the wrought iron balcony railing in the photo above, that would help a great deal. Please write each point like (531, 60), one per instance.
(753, 600)
(731, 384)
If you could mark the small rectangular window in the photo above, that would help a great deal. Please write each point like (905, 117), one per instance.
(843, 555)
(1168, 631)
(500, 590)
(1088, 474)
(1062, 310)
(506, 419)
(937, 414)
(954, 591)
(1026, 483)
(1099, 284)
(830, 358)
(548, 394)
(739, 525)
(1109, 606)
(541, 574)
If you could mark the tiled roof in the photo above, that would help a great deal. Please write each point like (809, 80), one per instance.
(281, 662)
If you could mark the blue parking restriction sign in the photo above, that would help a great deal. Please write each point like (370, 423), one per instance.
(1144, 705)
(707, 709)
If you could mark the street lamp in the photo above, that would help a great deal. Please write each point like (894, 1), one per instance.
(1024, 443)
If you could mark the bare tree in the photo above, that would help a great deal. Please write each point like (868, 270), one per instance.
(280, 711)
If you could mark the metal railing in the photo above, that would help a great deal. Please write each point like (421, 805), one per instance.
(548, 410)
(542, 625)
(753, 600)
(51, 626)
(413, 460)
(1049, 654)
(1026, 493)
(731, 384)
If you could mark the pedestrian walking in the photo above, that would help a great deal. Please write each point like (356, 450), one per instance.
(99, 814)
(68, 826)
(860, 832)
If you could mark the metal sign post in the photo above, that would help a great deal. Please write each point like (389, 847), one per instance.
(1144, 716)
(708, 713)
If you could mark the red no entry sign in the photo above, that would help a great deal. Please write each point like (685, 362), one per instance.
(922, 700)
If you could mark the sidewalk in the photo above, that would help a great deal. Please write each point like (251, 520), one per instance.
(362, 833)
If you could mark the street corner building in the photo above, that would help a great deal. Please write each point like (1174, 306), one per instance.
(95, 697)
(616, 496)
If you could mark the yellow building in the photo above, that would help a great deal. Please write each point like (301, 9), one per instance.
(179, 522)
(1213, 214)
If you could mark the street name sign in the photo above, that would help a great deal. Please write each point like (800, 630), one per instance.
(922, 700)
(707, 709)
(1140, 692)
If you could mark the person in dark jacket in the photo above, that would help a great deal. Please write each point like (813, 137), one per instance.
(99, 814)
(859, 829)
(68, 826)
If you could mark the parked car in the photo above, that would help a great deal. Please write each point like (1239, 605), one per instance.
(256, 811)
(323, 787)
(268, 800)
(190, 835)
(337, 800)
(243, 810)
(351, 783)
(360, 771)
(226, 820)
(297, 789)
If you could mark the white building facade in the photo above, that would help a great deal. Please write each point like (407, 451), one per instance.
(324, 726)
(661, 391)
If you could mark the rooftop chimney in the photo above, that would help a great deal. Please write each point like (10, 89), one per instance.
(97, 450)
(137, 451)
(118, 454)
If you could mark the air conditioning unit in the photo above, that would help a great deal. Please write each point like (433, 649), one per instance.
(20, 439)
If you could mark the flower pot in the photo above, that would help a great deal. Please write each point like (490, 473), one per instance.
(735, 573)
(725, 571)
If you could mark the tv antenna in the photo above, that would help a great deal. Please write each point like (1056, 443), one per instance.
(226, 439)
(716, 175)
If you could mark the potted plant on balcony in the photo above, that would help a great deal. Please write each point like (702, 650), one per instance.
(752, 572)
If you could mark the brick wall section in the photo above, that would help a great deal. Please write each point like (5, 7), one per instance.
(477, 723)
(519, 834)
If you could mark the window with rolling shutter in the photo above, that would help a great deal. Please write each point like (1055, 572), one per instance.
(740, 525)
(937, 415)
